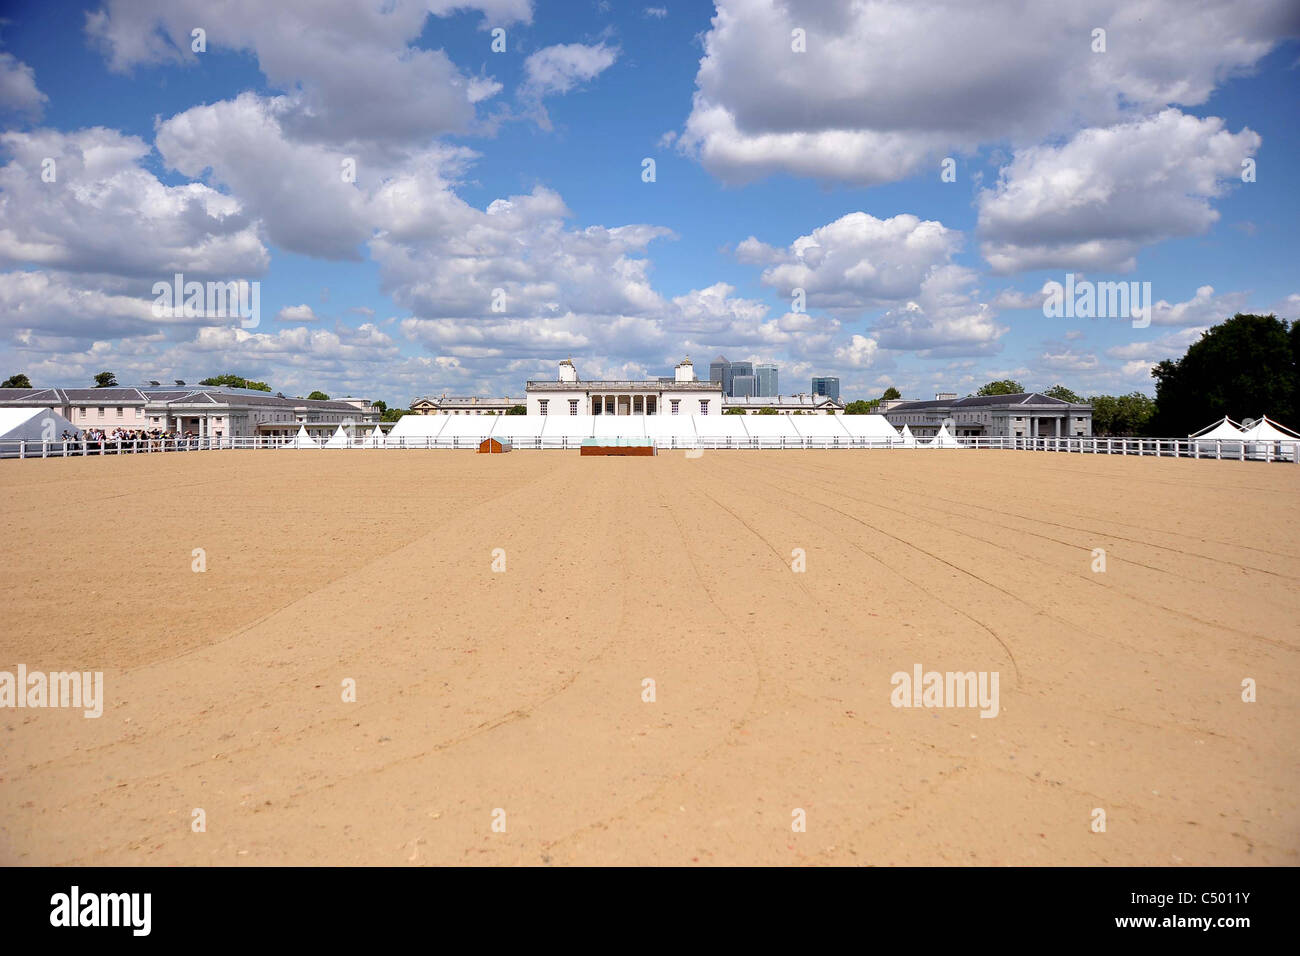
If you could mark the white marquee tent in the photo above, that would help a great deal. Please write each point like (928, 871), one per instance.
(874, 428)
(944, 439)
(1267, 439)
(338, 440)
(303, 440)
(375, 439)
(770, 431)
(34, 424)
(909, 440)
(1223, 437)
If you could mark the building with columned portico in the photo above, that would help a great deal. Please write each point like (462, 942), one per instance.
(683, 394)
(1023, 415)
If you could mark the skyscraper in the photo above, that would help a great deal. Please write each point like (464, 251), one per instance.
(720, 371)
(828, 385)
(740, 378)
(741, 370)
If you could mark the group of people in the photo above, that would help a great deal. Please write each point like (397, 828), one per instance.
(131, 437)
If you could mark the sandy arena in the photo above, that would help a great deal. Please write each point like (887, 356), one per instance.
(521, 690)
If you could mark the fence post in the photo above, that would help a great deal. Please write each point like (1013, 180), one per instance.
(22, 448)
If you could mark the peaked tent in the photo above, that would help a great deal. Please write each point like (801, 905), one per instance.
(1268, 430)
(375, 439)
(944, 439)
(909, 440)
(303, 440)
(339, 439)
(1267, 439)
(1222, 429)
(1223, 437)
(34, 424)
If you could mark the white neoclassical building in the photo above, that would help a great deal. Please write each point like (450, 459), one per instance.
(683, 394)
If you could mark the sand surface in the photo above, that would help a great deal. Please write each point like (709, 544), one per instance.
(521, 690)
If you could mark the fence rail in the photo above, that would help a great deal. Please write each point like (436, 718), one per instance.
(1219, 449)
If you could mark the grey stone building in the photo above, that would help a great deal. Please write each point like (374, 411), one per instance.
(1024, 415)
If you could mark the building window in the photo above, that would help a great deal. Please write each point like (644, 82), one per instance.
(674, 402)
(101, 412)
(541, 406)
(119, 411)
(704, 406)
(573, 406)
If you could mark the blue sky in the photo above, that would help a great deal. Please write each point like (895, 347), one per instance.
(521, 171)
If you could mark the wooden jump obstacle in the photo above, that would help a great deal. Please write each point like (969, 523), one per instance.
(493, 446)
(639, 447)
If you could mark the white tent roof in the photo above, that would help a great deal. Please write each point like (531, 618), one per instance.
(819, 426)
(944, 439)
(467, 426)
(671, 426)
(339, 439)
(510, 427)
(1222, 429)
(1268, 430)
(720, 426)
(909, 440)
(565, 426)
(769, 426)
(30, 424)
(419, 426)
(868, 426)
(618, 426)
(375, 439)
(303, 440)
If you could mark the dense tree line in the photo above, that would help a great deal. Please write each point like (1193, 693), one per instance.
(1243, 368)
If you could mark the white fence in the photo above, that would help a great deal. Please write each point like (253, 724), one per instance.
(1229, 450)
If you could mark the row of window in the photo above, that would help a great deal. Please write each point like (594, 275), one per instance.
(674, 405)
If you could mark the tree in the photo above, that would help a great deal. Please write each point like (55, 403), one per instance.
(1064, 394)
(316, 396)
(381, 406)
(235, 381)
(1003, 387)
(180, 381)
(1243, 367)
(154, 384)
(393, 414)
(734, 411)
(891, 393)
(105, 380)
(17, 381)
(1122, 415)
(516, 410)
(768, 410)
(862, 408)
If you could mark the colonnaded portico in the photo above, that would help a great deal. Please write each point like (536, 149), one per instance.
(683, 394)
(627, 403)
